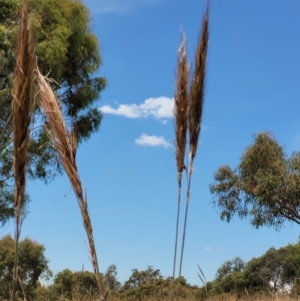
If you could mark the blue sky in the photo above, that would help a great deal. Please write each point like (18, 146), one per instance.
(128, 167)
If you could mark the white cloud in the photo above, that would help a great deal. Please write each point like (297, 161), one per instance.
(161, 107)
(146, 140)
(207, 248)
(129, 111)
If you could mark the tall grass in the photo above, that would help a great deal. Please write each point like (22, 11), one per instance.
(180, 113)
(22, 108)
(189, 99)
(188, 110)
(195, 111)
(64, 142)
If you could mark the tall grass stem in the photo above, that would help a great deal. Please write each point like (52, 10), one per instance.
(180, 113)
(64, 142)
(22, 108)
(195, 112)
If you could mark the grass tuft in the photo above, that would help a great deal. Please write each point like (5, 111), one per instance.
(180, 114)
(64, 142)
(196, 95)
(22, 108)
(181, 107)
(195, 111)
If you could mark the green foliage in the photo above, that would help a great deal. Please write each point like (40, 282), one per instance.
(64, 283)
(110, 279)
(32, 266)
(68, 52)
(264, 186)
(138, 278)
(142, 284)
(80, 284)
(46, 293)
(233, 283)
(234, 265)
(269, 274)
(6, 207)
(71, 285)
(149, 283)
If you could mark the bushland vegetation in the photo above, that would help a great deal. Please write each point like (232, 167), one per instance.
(67, 52)
(42, 123)
(274, 274)
(35, 139)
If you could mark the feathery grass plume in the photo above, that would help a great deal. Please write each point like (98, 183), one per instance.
(196, 96)
(22, 108)
(64, 142)
(180, 114)
(195, 110)
(181, 107)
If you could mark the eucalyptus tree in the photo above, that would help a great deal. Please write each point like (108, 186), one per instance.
(68, 52)
(264, 186)
(33, 265)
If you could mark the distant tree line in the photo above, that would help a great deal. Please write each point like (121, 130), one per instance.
(276, 271)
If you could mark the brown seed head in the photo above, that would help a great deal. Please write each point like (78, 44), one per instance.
(64, 142)
(181, 105)
(196, 95)
(22, 105)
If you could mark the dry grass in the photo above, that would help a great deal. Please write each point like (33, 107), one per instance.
(181, 107)
(188, 115)
(221, 297)
(228, 297)
(64, 142)
(22, 108)
(188, 110)
(180, 113)
(195, 110)
(196, 96)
